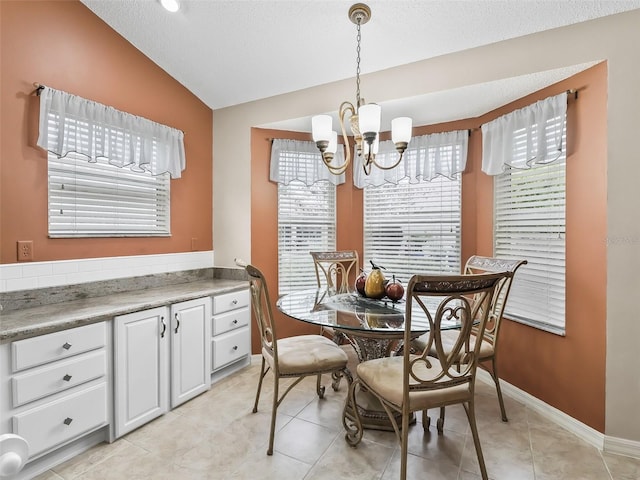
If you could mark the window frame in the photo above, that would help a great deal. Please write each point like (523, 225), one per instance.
(527, 297)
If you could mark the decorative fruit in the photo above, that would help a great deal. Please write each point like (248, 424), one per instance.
(394, 290)
(374, 285)
(360, 281)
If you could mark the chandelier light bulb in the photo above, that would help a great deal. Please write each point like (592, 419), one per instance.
(401, 129)
(322, 128)
(333, 143)
(369, 118)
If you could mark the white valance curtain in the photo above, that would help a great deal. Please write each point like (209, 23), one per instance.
(428, 156)
(300, 160)
(525, 137)
(69, 123)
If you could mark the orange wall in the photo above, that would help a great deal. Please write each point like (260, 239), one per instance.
(264, 223)
(565, 372)
(62, 44)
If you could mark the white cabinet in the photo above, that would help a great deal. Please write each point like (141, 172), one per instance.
(161, 360)
(231, 340)
(141, 376)
(190, 349)
(58, 387)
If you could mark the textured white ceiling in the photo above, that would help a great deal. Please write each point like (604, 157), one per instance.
(233, 51)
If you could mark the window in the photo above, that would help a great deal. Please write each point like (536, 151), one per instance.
(412, 224)
(102, 200)
(529, 222)
(413, 228)
(306, 211)
(108, 171)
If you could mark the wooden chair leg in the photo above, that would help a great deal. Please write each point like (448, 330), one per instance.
(262, 374)
(496, 380)
(471, 416)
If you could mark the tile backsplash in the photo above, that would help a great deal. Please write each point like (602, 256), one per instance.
(32, 275)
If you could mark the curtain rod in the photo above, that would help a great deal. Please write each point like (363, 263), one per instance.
(39, 88)
(571, 91)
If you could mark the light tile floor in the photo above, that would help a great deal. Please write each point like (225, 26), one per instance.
(215, 436)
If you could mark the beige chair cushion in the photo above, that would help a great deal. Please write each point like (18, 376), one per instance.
(305, 354)
(385, 377)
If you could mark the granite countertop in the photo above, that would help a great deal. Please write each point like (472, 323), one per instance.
(29, 322)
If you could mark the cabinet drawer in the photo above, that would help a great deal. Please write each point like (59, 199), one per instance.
(230, 301)
(57, 422)
(230, 347)
(55, 346)
(59, 376)
(230, 320)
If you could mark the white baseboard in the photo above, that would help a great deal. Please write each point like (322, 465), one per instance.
(620, 446)
(614, 445)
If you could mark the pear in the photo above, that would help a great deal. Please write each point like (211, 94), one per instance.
(375, 283)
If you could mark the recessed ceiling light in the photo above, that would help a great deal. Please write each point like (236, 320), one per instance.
(171, 5)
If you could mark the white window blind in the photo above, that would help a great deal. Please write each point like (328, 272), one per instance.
(108, 170)
(102, 200)
(412, 228)
(306, 219)
(529, 223)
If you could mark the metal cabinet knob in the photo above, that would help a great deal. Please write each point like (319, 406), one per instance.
(235, 321)
(235, 302)
(67, 421)
(67, 377)
(235, 347)
(66, 345)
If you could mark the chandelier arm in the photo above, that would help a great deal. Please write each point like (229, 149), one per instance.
(346, 107)
(384, 167)
(366, 165)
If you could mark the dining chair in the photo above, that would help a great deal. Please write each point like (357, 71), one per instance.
(293, 357)
(489, 344)
(336, 270)
(410, 383)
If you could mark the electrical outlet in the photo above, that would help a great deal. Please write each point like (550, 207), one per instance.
(25, 250)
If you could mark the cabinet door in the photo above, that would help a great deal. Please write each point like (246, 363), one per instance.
(190, 349)
(141, 368)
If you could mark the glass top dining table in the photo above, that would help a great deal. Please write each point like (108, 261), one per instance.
(373, 327)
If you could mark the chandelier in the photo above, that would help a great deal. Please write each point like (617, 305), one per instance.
(364, 120)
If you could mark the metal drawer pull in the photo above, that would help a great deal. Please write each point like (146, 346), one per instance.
(235, 347)
(67, 377)
(235, 321)
(164, 327)
(67, 421)
(66, 345)
(177, 323)
(235, 302)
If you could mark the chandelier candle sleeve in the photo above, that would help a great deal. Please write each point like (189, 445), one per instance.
(369, 116)
(321, 126)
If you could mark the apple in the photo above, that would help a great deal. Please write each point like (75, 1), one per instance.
(360, 282)
(394, 290)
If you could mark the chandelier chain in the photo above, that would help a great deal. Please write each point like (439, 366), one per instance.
(358, 67)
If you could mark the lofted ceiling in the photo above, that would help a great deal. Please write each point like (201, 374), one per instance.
(229, 52)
